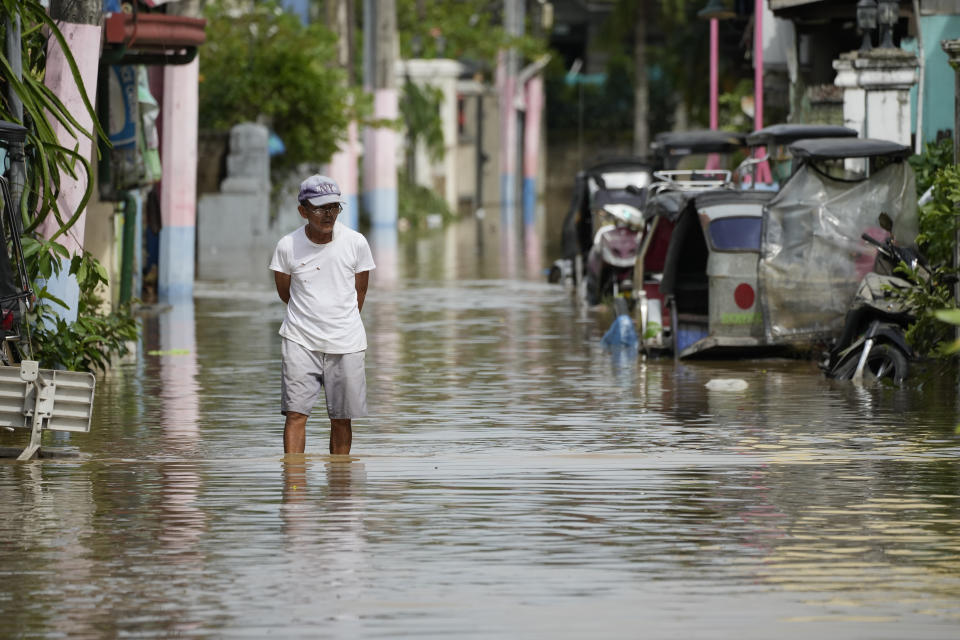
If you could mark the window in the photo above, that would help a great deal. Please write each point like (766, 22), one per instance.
(736, 234)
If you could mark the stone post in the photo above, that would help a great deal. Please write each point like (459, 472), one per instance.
(232, 225)
(876, 86)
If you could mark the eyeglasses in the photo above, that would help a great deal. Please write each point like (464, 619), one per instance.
(328, 209)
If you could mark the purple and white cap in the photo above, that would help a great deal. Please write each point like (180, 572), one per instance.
(319, 190)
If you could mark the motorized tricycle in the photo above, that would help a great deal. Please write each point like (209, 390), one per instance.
(757, 272)
(603, 230)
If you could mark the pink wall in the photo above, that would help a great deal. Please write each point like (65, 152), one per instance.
(84, 42)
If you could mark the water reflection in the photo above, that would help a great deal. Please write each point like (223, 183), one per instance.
(513, 480)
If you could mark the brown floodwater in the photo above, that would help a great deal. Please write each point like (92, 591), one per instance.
(513, 480)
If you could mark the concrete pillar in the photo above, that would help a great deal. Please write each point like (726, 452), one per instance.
(876, 86)
(532, 133)
(83, 41)
(232, 226)
(178, 187)
(344, 169)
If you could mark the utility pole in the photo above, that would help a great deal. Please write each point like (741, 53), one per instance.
(507, 67)
(641, 91)
(343, 164)
(379, 159)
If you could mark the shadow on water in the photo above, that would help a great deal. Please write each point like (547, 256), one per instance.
(513, 479)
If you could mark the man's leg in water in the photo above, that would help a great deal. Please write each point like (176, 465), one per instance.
(295, 432)
(341, 435)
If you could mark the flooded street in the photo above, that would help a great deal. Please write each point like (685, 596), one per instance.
(513, 480)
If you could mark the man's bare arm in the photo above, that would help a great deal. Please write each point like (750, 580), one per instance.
(360, 280)
(283, 285)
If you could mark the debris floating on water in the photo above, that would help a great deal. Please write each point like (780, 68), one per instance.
(727, 384)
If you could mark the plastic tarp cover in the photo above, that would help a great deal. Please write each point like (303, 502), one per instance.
(813, 258)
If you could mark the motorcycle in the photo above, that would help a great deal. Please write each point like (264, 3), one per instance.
(613, 255)
(873, 345)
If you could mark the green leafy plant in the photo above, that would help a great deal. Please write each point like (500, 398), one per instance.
(938, 218)
(927, 334)
(46, 157)
(264, 65)
(416, 202)
(95, 338)
(935, 156)
(420, 109)
(951, 317)
(652, 331)
(97, 335)
(466, 30)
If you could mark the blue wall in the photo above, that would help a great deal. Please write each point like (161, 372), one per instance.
(939, 82)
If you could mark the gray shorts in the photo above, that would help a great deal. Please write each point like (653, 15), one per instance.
(341, 375)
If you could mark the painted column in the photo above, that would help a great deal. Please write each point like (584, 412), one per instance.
(343, 169)
(380, 162)
(178, 187)
(714, 73)
(531, 147)
(508, 138)
(762, 172)
(83, 41)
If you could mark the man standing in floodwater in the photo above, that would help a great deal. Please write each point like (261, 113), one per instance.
(321, 271)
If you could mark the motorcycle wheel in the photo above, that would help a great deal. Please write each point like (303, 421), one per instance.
(886, 362)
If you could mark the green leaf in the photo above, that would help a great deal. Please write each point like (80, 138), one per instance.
(951, 316)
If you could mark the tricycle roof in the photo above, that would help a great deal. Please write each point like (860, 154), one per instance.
(699, 141)
(837, 148)
(788, 133)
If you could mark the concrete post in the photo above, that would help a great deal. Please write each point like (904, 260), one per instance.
(178, 187)
(876, 86)
(507, 67)
(80, 24)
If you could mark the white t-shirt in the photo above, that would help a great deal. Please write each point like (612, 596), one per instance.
(322, 313)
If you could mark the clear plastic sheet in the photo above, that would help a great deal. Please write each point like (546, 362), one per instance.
(813, 258)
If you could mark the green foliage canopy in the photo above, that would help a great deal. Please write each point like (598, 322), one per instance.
(263, 64)
(465, 30)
